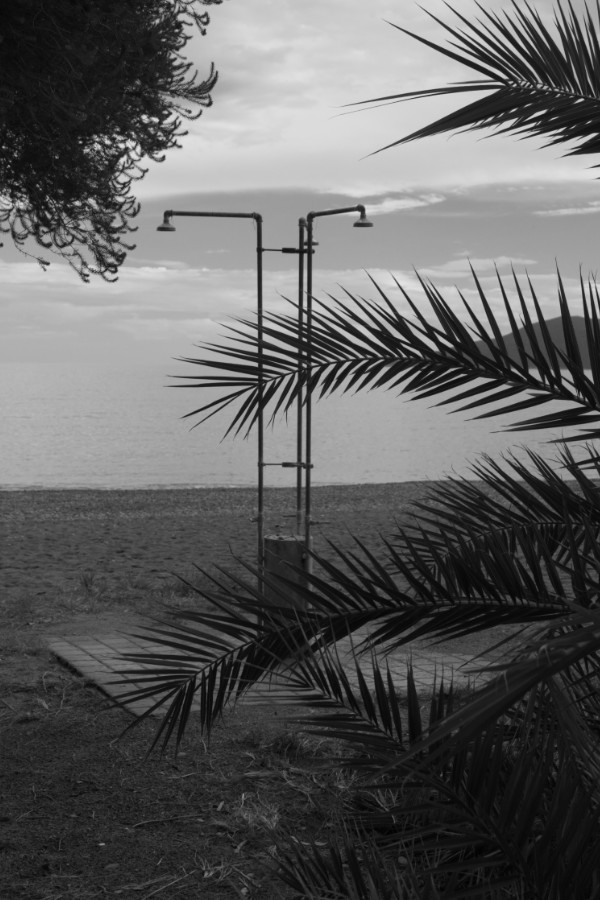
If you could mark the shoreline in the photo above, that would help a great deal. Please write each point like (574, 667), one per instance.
(10, 489)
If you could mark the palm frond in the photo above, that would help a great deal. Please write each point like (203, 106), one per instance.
(505, 805)
(364, 344)
(493, 825)
(548, 654)
(349, 869)
(546, 527)
(486, 817)
(217, 657)
(473, 816)
(537, 82)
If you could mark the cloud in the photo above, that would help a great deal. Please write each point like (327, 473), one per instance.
(31, 274)
(592, 208)
(461, 267)
(163, 263)
(389, 205)
(161, 313)
(168, 310)
(286, 72)
(466, 296)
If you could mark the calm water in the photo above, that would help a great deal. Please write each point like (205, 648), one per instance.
(92, 426)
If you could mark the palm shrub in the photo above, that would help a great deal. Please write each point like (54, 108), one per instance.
(497, 794)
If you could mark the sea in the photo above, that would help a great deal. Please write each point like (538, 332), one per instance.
(84, 425)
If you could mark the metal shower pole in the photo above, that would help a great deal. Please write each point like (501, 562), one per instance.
(362, 222)
(299, 410)
(167, 226)
(306, 245)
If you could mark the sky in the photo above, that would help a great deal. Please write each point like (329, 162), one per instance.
(280, 141)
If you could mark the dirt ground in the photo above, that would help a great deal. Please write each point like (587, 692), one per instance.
(83, 813)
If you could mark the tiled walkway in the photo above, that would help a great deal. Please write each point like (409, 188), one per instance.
(99, 659)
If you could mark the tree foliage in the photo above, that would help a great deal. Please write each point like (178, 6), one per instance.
(497, 794)
(88, 91)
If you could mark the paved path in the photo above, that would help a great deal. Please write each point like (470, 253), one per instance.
(99, 659)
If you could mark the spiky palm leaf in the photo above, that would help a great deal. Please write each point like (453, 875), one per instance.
(549, 528)
(507, 550)
(536, 82)
(349, 869)
(512, 797)
(219, 656)
(489, 816)
(364, 345)
(347, 709)
(458, 805)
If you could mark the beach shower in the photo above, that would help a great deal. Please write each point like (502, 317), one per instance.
(276, 551)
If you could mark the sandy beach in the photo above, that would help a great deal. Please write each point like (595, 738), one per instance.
(49, 538)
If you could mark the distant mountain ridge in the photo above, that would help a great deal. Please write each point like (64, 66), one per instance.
(555, 329)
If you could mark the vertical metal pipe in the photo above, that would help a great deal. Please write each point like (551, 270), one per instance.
(308, 403)
(166, 226)
(260, 396)
(299, 408)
